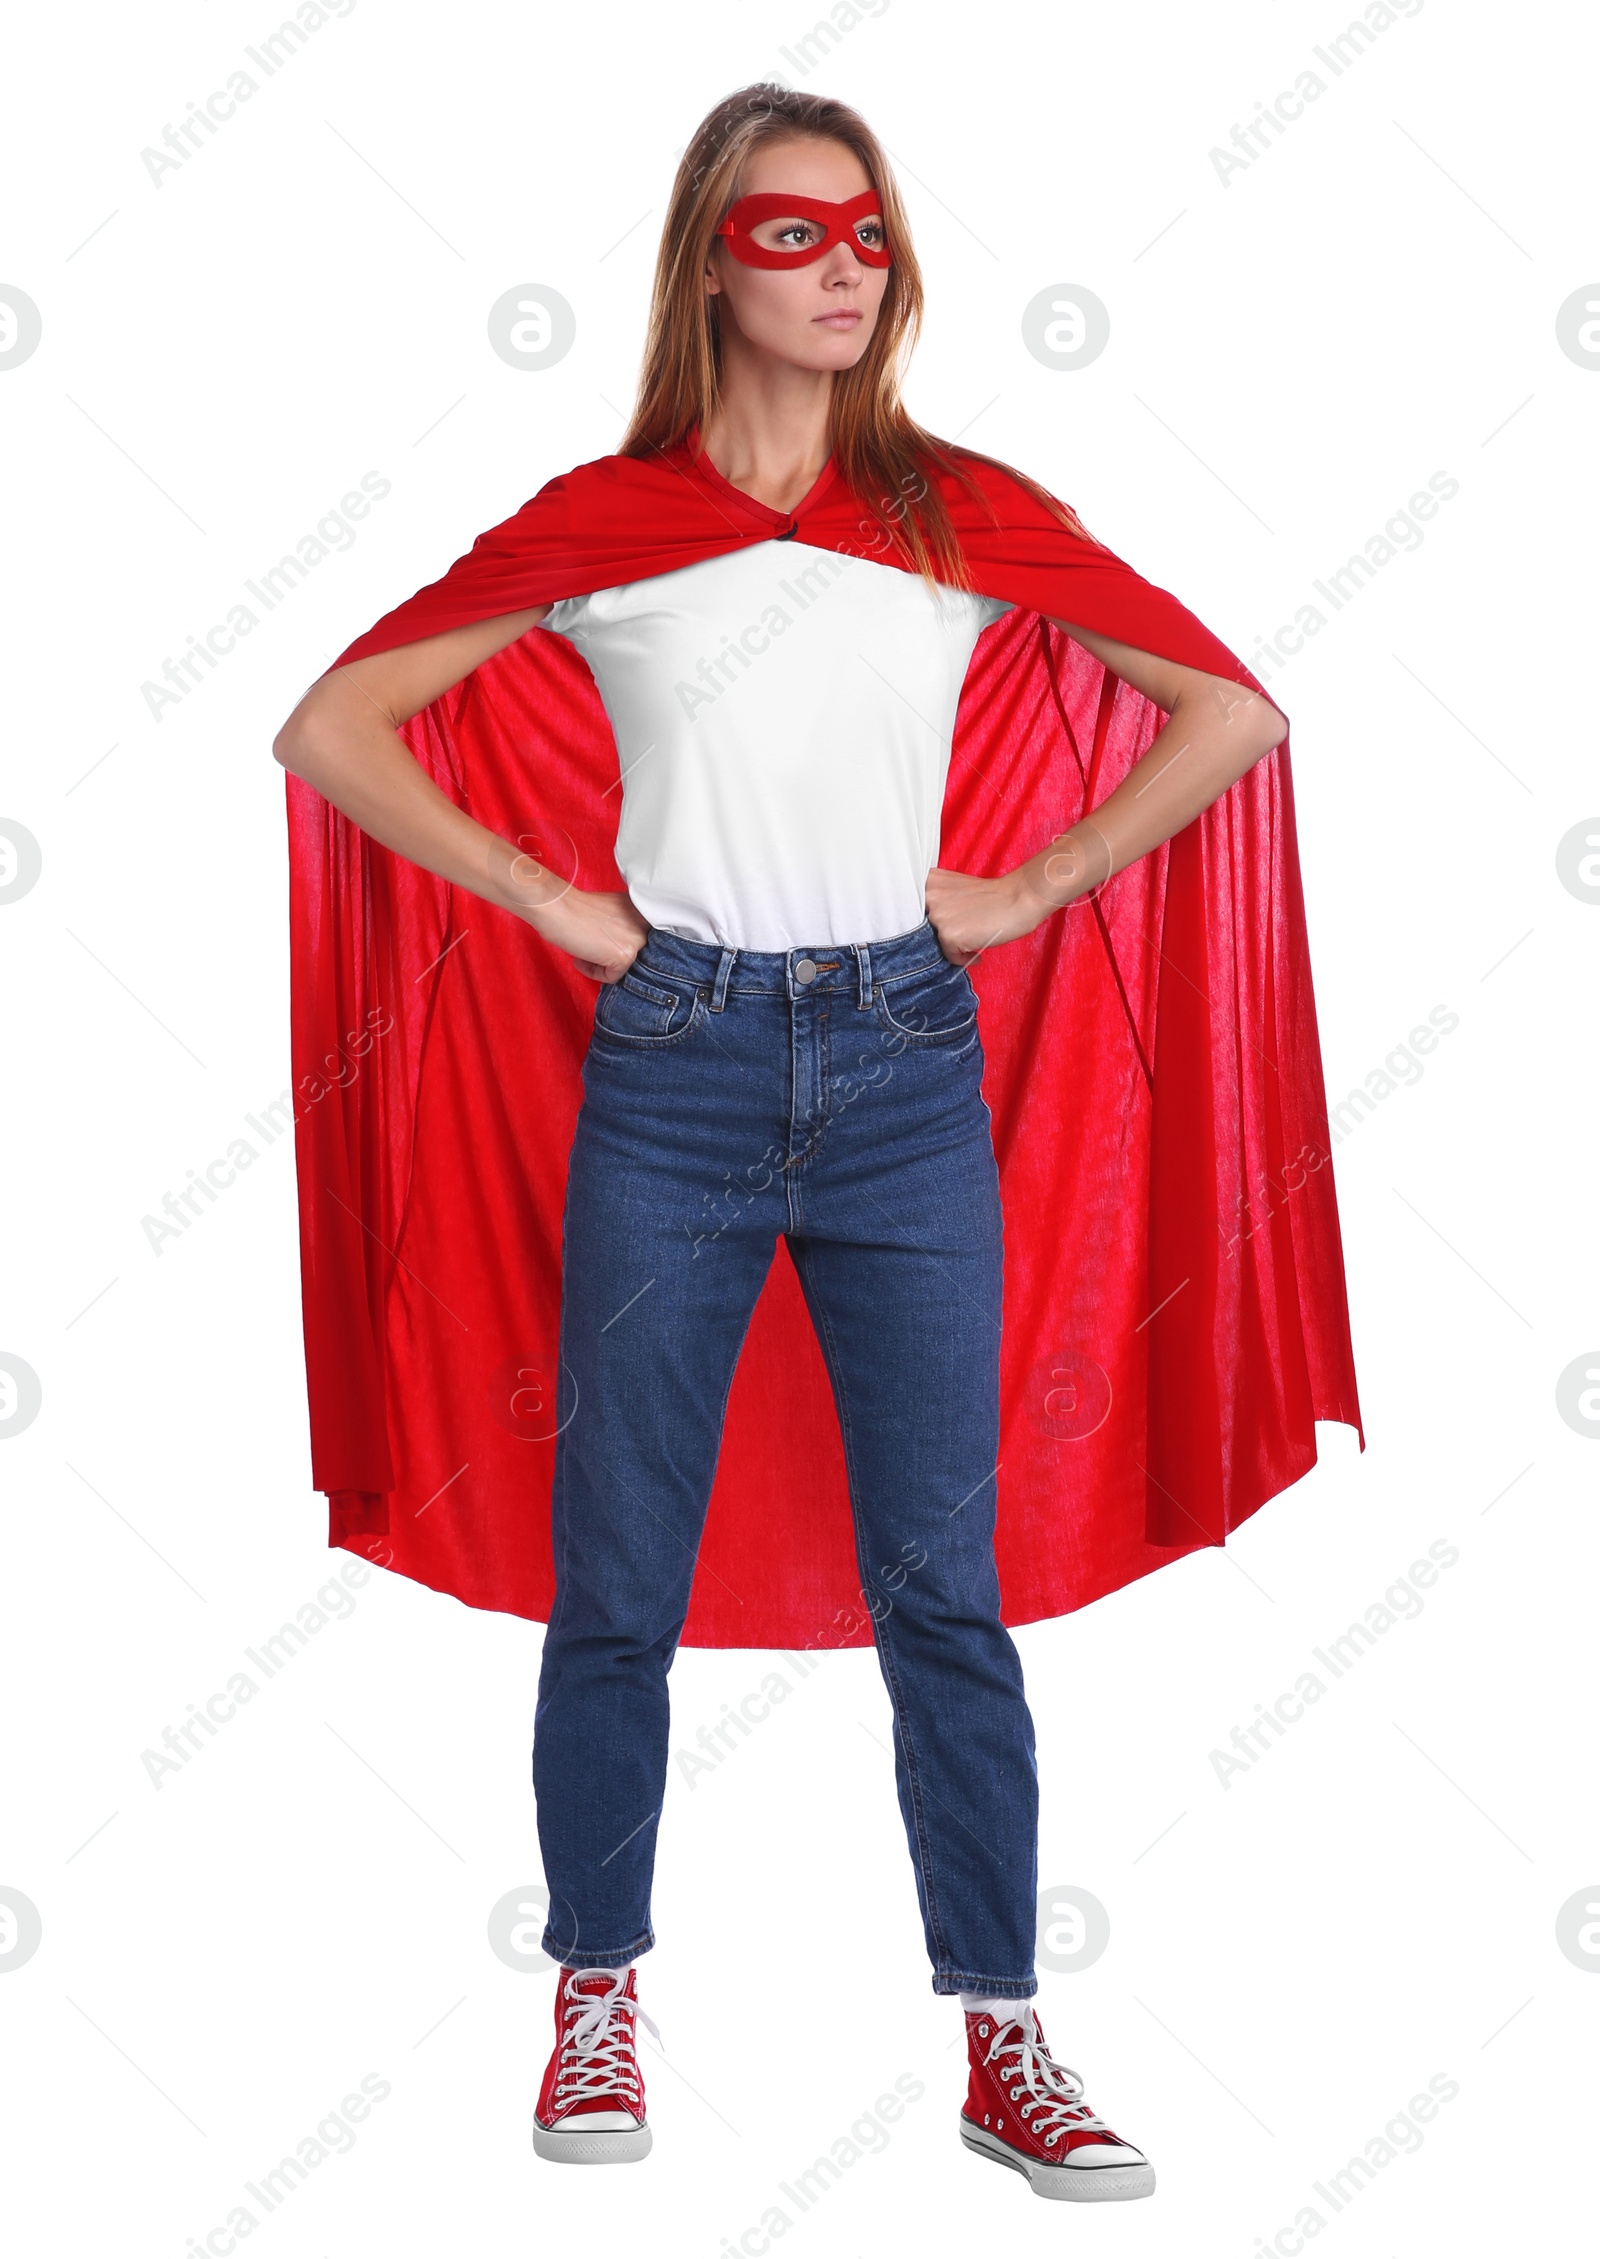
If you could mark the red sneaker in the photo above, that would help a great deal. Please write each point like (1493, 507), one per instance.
(1028, 2112)
(591, 2105)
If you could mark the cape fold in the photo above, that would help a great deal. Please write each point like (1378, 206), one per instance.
(1175, 1306)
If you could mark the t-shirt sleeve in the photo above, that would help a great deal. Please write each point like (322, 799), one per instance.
(567, 616)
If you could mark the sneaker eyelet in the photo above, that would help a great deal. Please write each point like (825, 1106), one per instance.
(1050, 2139)
(983, 2031)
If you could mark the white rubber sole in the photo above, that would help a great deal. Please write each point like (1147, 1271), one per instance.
(569, 2145)
(1078, 2184)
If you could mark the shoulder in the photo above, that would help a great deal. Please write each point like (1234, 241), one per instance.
(981, 490)
(574, 490)
(607, 505)
(962, 470)
(610, 484)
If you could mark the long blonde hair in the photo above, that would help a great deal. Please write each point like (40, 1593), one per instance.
(886, 458)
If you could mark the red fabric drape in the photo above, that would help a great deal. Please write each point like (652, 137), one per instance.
(1175, 1311)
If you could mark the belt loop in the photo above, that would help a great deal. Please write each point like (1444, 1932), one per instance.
(719, 986)
(863, 974)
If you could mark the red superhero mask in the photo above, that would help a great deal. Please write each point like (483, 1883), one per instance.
(838, 223)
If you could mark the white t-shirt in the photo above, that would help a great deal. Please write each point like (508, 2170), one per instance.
(783, 718)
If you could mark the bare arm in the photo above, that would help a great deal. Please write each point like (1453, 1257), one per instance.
(1216, 729)
(343, 739)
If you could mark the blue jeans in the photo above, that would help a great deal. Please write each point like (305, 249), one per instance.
(832, 1095)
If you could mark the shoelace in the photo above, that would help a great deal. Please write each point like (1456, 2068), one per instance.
(597, 2052)
(1056, 2092)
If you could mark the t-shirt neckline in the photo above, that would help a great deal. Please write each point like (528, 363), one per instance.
(707, 469)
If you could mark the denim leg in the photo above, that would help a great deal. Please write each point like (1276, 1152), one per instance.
(902, 1271)
(655, 1308)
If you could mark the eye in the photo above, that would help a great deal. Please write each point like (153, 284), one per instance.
(871, 233)
(794, 235)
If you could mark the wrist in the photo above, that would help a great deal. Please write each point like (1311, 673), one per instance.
(520, 883)
(1031, 901)
(1073, 865)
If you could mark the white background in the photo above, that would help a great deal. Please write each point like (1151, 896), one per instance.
(1292, 1956)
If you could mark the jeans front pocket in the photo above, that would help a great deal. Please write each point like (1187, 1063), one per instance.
(935, 1004)
(647, 1014)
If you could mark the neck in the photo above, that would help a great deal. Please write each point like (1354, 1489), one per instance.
(769, 432)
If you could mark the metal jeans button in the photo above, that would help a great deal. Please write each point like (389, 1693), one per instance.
(805, 970)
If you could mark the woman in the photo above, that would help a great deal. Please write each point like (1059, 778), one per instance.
(785, 1015)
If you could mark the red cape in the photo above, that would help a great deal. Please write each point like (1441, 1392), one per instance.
(1175, 1314)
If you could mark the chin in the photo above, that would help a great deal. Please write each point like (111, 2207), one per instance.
(830, 349)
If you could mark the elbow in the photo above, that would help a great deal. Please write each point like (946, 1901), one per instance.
(1266, 726)
(1261, 727)
(1236, 723)
(296, 745)
(288, 747)
(317, 740)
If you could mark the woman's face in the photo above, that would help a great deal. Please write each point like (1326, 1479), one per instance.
(817, 316)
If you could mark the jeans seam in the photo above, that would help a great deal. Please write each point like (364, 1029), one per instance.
(641, 1944)
(972, 1980)
(793, 1163)
(915, 972)
(796, 1160)
(561, 1473)
(847, 1436)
